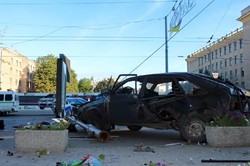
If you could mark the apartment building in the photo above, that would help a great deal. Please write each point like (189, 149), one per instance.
(16, 71)
(229, 56)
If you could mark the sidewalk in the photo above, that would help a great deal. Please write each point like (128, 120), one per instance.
(121, 151)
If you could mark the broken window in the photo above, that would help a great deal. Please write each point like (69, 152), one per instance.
(189, 87)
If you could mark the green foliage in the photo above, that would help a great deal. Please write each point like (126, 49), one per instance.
(62, 125)
(85, 85)
(230, 120)
(45, 76)
(73, 85)
(104, 84)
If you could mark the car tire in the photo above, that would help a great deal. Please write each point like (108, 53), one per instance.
(41, 108)
(96, 121)
(193, 129)
(134, 128)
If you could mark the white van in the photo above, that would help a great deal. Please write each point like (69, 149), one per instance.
(9, 102)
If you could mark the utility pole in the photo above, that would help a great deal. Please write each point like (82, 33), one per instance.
(166, 43)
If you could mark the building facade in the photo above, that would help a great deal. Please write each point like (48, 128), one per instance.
(229, 56)
(16, 71)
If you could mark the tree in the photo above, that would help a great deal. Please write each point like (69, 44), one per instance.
(104, 84)
(45, 76)
(73, 85)
(85, 85)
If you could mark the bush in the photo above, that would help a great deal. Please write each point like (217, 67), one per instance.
(230, 119)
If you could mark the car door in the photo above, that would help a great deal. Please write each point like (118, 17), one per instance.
(123, 103)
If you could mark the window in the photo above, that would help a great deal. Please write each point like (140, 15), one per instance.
(235, 73)
(242, 72)
(216, 54)
(205, 58)
(243, 84)
(10, 81)
(216, 66)
(221, 63)
(190, 88)
(20, 64)
(230, 48)
(241, 58)
(8, 97)
(225, 62)
(236, 59)
(235, 46)
(130, 87)
(241, 45)
(231, 74)
(212, 67)
(225, 50)
(1, 97)
(226, 75)
(212, 53)
(221, 74)
(230, 61)
(10, 69)
(16, 62)
(220, 51)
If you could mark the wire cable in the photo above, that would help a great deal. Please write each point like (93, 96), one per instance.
(172, 37)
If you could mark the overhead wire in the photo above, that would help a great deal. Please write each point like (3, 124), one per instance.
(80, 3)
(220, 22)
(172, 37)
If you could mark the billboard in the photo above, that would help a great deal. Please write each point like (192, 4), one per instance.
(62, 77)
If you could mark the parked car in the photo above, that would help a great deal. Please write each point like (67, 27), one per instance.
(47, 101)
(76, 102)
(180, 101)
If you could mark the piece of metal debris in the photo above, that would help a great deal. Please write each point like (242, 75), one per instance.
(140, 148)
(223, 161)
(173, 144)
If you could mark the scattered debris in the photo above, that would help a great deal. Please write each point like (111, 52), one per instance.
(9, 153)
(41, 152)
(173, 144)
(101, 157)
(140, 148)
(155, 164)
(224, 161)
(88, 160)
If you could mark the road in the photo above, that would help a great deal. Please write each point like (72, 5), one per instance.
(119, 150)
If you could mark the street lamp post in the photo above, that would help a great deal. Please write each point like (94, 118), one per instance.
(166, 43)
(1, 61)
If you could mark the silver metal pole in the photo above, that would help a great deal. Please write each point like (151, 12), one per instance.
(166, 43)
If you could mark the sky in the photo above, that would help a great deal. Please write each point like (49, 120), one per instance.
(110, 37)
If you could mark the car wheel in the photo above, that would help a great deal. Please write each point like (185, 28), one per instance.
(192, 129)
(134, 128)
(96, 121)
(41, 108)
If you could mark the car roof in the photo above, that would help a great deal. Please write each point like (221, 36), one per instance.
(195, 77)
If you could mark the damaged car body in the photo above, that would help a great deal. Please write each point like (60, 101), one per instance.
(180, 101)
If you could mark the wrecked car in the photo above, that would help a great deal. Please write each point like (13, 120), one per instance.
(180, 101)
